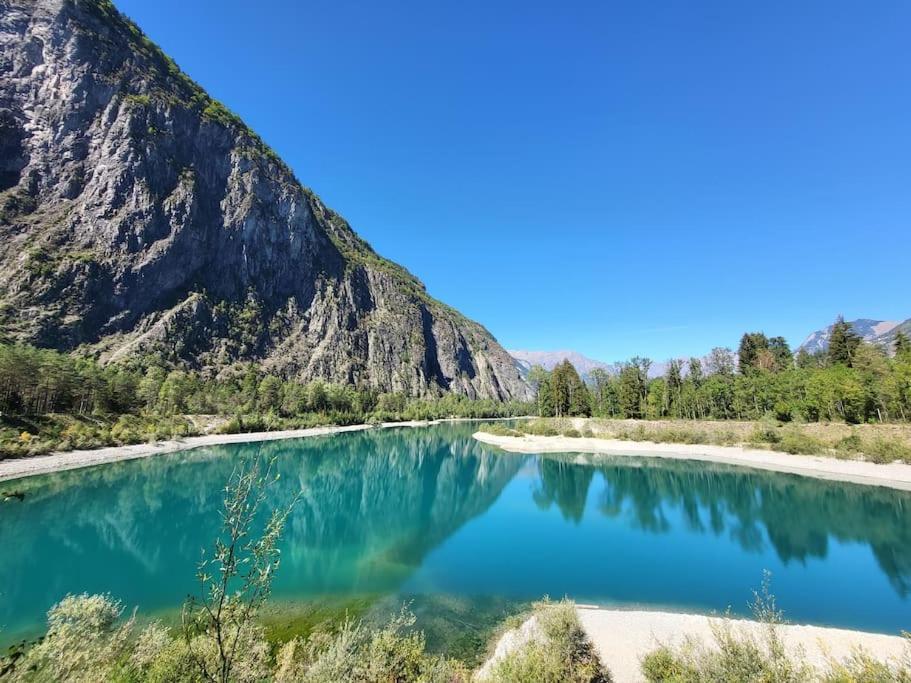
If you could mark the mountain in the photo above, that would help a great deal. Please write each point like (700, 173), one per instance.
(583, 364)
(138, 215)
(549, 360)
(886, 339)
(869, 330)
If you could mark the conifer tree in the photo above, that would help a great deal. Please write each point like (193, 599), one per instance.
(694, 372)
(751, 343)
(569, 394)
(843, 341)
(784, 359)
(902, 345)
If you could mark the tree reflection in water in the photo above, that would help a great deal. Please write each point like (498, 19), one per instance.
(375, 504)
(796, 515)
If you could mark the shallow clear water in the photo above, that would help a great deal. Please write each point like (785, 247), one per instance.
(431, 512)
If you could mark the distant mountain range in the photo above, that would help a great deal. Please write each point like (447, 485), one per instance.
(583, 364)
(880, 332)
(549, 360)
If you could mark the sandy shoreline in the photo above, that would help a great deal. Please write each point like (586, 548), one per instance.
(892, 475)
(17, 468)
(623, 637)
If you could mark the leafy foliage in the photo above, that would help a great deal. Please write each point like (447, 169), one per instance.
(219, 628)
(855, 382)
(561, 392)
(53, 401)
(740, 656)
(561, 653)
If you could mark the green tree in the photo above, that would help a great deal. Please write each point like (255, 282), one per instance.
(874, 372)
(568, 393)
(172, 395)
(674, 380)
(150, 386)
(318, 400)
(657, 399)
(538, 377)
(901, 345)
(601, 384)
(721, 362)
(784, 359)
(694, 371)
(806, 360)
(632, 387)
(269, 394)
(236, 578)
(843, 341)
(751, 343)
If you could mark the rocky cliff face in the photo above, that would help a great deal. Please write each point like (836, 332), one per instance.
(138, 215)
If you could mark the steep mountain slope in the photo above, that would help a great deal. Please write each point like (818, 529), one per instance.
(887, 339)
(869, 330)
(138, 215)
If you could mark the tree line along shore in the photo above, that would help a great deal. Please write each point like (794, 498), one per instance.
(51, 401)
(852, 381)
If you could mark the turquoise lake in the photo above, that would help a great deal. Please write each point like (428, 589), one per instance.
(402, 512)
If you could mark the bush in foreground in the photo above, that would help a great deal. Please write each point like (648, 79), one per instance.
(85, 641)
(741, 656)
(563, 652)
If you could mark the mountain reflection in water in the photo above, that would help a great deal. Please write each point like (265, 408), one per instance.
(431, 510)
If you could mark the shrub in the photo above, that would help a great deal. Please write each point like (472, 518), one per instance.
(149, 647)
(795, 442)
(783, 412)
(860, 667)
(561, 653)
(765, 433)
(849, 445)
(498, 429)
(84, 640)
(664, 664)
(733, 656)
(358, 654)
(637, 434)
(886, 450)
(539, 428)
(745, 656)
(572, 433)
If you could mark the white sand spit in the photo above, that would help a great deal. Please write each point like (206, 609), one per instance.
(622, 638)
(893, 475)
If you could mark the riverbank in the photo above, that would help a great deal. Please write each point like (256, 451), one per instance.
(18, 468)
(622, 638)
(892, 475)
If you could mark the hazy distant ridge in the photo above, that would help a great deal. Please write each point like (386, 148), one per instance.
(873, 331)
(880, 332)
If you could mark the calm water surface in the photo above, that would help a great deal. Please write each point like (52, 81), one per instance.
(431, 512)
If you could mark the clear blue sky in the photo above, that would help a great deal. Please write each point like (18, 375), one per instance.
(614, 177)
